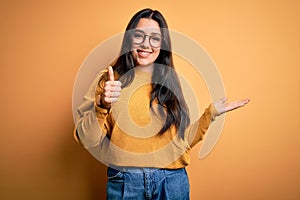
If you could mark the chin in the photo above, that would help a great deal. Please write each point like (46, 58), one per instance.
(143, 62)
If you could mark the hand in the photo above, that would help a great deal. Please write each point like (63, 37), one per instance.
(223, 106)
(112, 91)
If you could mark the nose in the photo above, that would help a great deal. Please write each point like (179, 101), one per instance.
(146, 42)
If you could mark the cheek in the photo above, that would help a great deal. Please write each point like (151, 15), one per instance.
(156, 53)
(134, 54)
(134, 51)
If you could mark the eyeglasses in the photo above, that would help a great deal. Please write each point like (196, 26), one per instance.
(138, 37)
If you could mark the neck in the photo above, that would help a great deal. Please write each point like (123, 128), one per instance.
(145, 68)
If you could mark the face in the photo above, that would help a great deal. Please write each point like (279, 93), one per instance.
(146, 41)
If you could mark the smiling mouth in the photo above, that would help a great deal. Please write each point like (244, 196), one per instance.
(143, 53)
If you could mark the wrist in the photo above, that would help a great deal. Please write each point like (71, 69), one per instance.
(103, 104)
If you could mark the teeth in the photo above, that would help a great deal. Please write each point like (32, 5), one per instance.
(139, 50)
(143, 53)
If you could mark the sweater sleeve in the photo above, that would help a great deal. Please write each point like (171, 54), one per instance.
(90, 120)
(199, 128)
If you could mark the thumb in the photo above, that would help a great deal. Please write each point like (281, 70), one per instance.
(111, 73)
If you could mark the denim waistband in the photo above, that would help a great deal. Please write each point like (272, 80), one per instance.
(147, 183)
(141, 169)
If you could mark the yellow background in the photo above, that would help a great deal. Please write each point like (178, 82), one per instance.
(255, 45)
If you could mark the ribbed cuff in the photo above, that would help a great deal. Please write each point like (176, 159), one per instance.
(213, 111)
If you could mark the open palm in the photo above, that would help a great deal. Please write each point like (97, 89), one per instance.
(223, 106)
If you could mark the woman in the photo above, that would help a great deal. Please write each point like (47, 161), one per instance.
(143, 131)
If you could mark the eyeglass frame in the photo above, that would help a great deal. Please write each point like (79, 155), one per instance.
(144, 38)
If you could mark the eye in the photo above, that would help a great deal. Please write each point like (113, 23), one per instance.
(138, 35)
(156, 38)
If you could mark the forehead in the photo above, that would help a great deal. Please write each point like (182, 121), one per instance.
(148, 25)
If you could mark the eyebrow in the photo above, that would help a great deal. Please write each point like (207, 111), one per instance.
(140, 30)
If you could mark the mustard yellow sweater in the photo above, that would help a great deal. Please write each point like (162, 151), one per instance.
(125, 135)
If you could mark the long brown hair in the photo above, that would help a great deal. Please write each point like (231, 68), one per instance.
(166, 87)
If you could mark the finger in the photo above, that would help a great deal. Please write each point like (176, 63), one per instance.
(110, 88)
(113, 83)
(236, 104)
(111, 73)
(113, 100)
(107, 100)
(110, 100)
(116, 89)
(224, 99)
(242, 102)
(112, 94)
(246, 100)
(117, 83)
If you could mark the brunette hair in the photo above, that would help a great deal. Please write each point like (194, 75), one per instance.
(166, 87)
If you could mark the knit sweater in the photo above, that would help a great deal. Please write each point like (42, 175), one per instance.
(126, 134)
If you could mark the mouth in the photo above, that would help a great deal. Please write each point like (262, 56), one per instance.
(143, 53)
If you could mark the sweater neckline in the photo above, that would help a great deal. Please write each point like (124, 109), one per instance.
(142, 74)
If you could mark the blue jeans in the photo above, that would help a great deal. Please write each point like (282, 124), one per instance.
(147, 183)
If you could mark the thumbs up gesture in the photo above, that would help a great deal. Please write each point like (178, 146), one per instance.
(112, 91)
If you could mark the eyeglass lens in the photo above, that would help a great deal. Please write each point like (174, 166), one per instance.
(154, 39)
